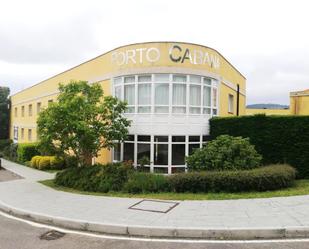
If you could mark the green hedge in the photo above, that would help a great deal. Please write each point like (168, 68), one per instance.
(279, 139)
(260, 179)
(26, 151)
(96, 178)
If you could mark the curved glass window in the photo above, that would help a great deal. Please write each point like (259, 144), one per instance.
(167, 93)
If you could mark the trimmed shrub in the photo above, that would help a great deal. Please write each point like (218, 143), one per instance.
(35, 161)
(44, 163)
(225, 153)
(96, 178)
(56, 162)
(279, 139)
(10, 152)
(26, 151)
(146, 182)
(261, 179)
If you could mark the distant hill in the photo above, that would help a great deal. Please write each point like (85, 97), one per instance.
(267, 106)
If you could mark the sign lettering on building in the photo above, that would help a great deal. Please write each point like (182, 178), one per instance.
(176, 54)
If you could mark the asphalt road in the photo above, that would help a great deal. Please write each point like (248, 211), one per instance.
(16, 234)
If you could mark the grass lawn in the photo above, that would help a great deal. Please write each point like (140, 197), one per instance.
(301, 187)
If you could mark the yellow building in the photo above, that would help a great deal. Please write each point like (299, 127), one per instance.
(250, 111)
(299, 102)
(172, 90)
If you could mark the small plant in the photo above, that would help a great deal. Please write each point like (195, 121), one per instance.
(225, 153)
(143, 162)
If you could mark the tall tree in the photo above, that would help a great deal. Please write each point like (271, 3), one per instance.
(4, 112)
(82, 122)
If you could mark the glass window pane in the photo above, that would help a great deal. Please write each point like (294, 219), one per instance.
(194, 138)
(130, 110)
(206, 96)
(144, 78)
(160, 170)
(117, 152)
(179, 109)
(128, 151)
(207, 81)
(160, 154)
(193, 147)
(129, 79)
(206, 138)
(178, 138)
(161, 77)
(161, 109)
(160, 139)
(144, 109)
(179, 94)
(195, 95)
(161, 94)
(195, 79)
(195, 110)
(214, 97)
(130, 138)
(129, 94)
(118, 92)
(143, 150)
(214, 111)
(117, 80)
(144, 94)
(206, 110)
(179, 78)
(143, 138)
(178, 154)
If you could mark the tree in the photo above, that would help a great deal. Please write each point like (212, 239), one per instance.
(4, 112)
(81, 122)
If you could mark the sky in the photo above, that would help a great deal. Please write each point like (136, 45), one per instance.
(266, 40)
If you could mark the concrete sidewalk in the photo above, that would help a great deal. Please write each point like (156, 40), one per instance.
(231, 219)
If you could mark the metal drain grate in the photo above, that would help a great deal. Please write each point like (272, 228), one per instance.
(52, 235)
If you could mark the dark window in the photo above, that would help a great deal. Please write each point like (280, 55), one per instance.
(178, 154)
(193, 147)
(161, 154)
(143, 138)
(206, 138)
(143, 150)
(130, 138)
(128, 151)
(178, 138)
(161, 138)
(194, 138)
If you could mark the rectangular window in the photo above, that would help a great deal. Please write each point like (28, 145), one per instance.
(38, 107)
(214, 97)
(160, 154)
(161, 97)
(15, 112)
(206, 99)
(129, 79)
(144, 98)
(128, 152)
(30, 110)
(178, 154)
(118, 92)
(143, 150)
(160, 139)
(117, 152)
(22, 134)
(29, 135)
(144, 78)
(117, 81)
(143, 138)
(179, 98)
(207, 81)
(15, 133)
(162, 77)
(231, 103)
(195, 79)
(195, 99)
(178, 139)
(129, 97)
(193, 147)
(179, 78)
(23, 111)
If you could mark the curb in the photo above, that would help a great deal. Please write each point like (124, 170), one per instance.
(161, 232)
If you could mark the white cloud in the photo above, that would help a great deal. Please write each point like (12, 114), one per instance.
(265, 39)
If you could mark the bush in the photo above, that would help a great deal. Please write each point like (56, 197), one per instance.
(146, 182)
(279, 139)
(4, 143)
(46, 162)
(225, 153)
(26, 151)
(96, 178)
(10, 152)
(261, 179)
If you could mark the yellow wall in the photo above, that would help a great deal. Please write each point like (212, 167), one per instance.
(104, 67)
(268, 111)
(299, 103)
